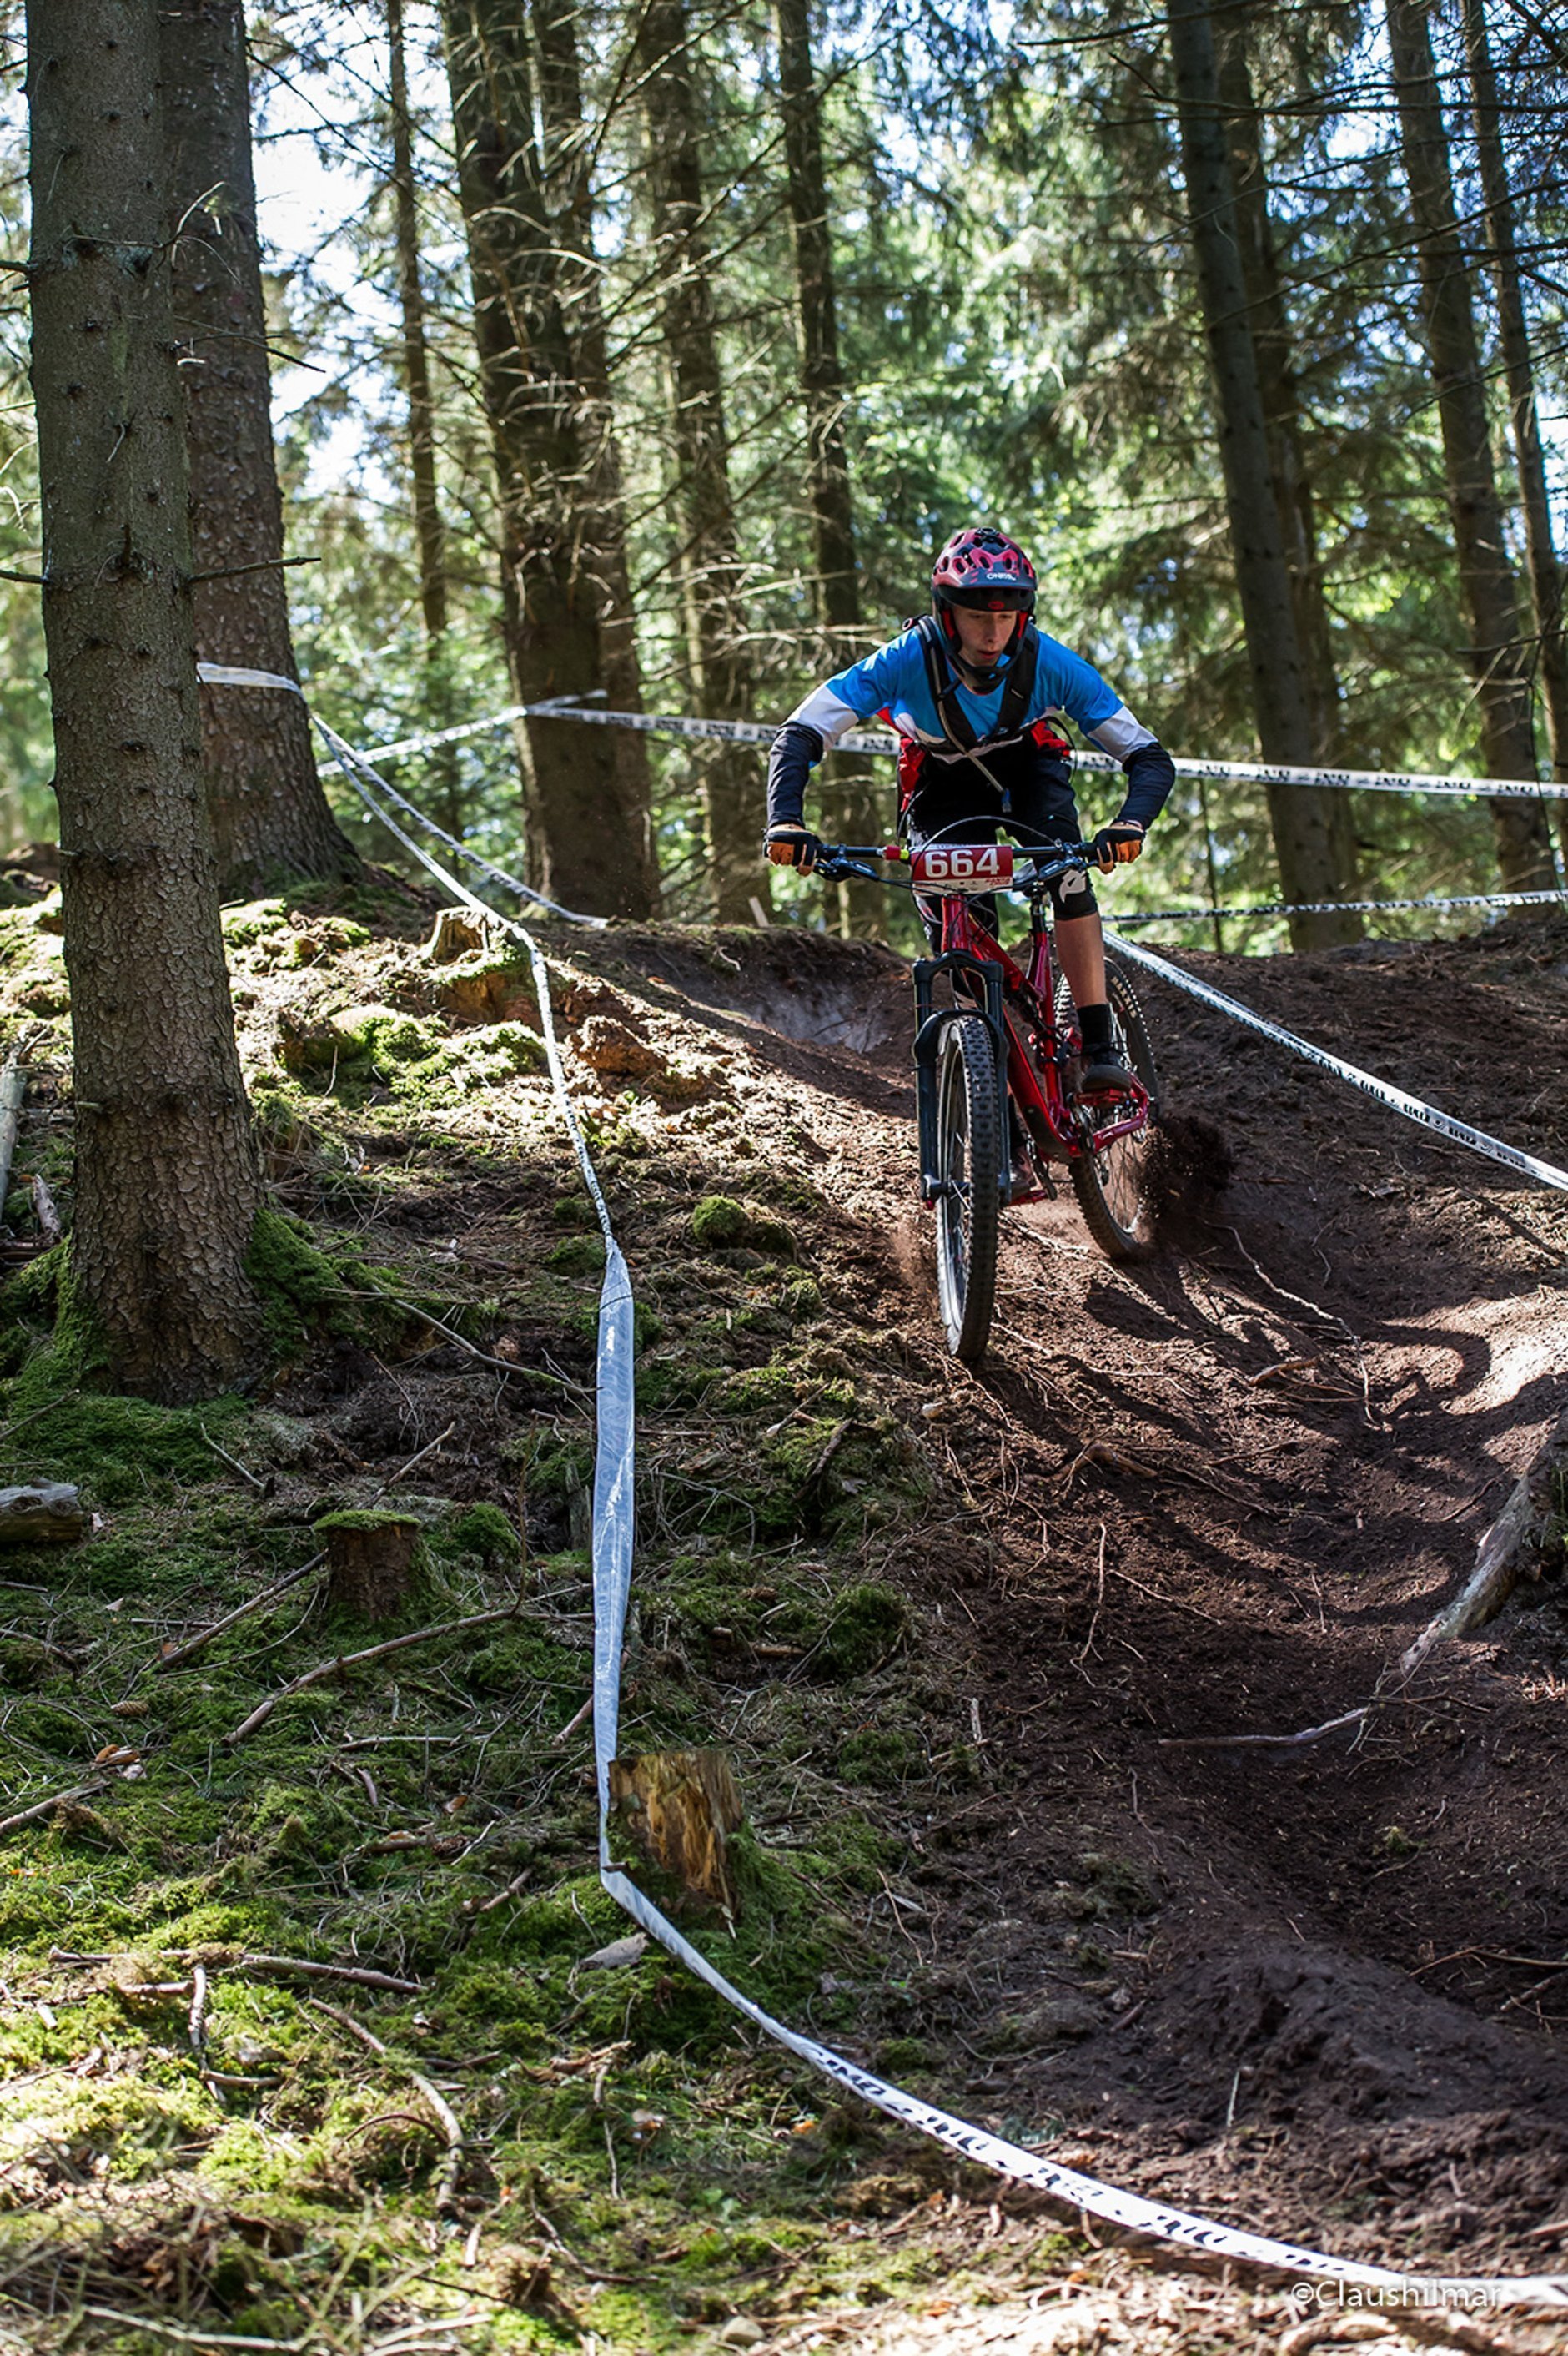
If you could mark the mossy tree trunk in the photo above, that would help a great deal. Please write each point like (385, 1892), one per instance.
(270, 817)
(166, 1176)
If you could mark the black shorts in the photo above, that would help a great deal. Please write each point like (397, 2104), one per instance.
(961, 805)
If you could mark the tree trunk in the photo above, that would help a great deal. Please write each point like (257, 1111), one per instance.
(567, 179)
(166, 1184)
(428, 530)
(590, 838)
(721, 674)
(1272, 344)
(854, 803)
(270, 817)
(430, 533)
(1545, 572)
(1497, 661)
(1301, 817)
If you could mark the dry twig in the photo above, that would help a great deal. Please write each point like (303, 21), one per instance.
(446, 2179)
(178, 1655)
(343, 1662)
(55, 1800)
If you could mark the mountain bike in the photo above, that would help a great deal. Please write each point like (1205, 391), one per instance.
(998, 1069)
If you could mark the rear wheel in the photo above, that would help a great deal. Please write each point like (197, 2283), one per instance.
(1112, 1185)
(969, 1163)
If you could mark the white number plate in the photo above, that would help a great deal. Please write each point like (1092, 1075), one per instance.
(963, 866)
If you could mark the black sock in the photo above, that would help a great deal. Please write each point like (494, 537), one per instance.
(1095, 1025)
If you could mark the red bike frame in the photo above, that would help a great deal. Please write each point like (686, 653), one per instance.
(1059, 1124)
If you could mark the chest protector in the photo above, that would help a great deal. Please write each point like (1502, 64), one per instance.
(1017, 687)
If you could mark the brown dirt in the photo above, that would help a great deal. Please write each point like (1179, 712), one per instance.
(1313, 1989)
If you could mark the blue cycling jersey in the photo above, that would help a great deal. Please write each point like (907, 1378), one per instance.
(893, 683)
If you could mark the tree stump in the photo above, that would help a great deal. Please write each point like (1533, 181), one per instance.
(370, 1563)
(46, 1511)
(680, 1806)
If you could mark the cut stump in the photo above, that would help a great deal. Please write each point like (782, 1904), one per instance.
(370, 1563)
(46, 1511)
(680, 1807)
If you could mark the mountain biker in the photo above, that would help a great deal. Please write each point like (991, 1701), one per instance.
(972, 689)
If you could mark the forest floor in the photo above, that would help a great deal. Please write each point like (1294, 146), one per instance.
(976, 1685)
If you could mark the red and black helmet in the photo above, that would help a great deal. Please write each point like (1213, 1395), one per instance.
(983, 569)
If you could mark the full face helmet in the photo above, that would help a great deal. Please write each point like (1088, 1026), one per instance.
(985, 571)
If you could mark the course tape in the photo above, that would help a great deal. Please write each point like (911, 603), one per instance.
(1426, 1116)
(352, 765)
(1335, 907)
(758, 732)
(614, 1536)
(1261, 773)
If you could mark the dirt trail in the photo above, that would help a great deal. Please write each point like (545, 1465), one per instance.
(1321, 1989)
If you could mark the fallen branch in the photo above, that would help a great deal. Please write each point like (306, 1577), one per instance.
(361, 1974)
(192, 2339)
(1502, 1552)
(418, 1458)
(343, 1662)
(46, 1211)
(232, 1462)
(55, 1800)
(1262, 1742)
(502, 1366)
(176, 1655)
(446, 2177)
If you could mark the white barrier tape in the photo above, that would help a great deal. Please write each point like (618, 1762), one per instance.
(350, 764)
(1372, 781)
(1398, 1100)
(1337, 907)
(613, 1534)
(229, 675)
(756, 732)
(435, 737)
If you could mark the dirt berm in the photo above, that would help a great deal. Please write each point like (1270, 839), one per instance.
(1319, 1989)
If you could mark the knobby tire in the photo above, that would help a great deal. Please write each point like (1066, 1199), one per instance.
(1113, 1188)
(969, 1159)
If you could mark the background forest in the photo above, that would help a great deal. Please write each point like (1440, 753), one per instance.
(1006, 317)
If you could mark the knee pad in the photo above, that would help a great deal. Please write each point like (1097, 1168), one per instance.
(1073, 895)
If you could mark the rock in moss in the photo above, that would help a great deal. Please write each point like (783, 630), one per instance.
(869, 1620)
(484, 1530)
(719, 1221)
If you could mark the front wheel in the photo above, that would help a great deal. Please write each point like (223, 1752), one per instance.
(969, 1147)
(1113, 1186)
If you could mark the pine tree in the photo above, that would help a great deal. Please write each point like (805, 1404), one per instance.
(270, 817)
(1300, 817)
(167, 1183)
(1496, 656)
(590, 838)
(717, 659)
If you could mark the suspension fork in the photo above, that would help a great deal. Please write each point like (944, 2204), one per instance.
(931, 1021)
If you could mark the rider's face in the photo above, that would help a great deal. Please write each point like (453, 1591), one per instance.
(982, 636)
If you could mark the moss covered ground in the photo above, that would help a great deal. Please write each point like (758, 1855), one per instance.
(196, 2134)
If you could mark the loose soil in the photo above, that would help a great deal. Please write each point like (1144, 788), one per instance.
(1317, 1990)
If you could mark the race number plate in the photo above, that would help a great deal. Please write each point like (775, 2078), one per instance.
(963, 866)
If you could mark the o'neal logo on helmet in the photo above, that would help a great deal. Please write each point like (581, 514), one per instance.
(983, 569)
(980, 560)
